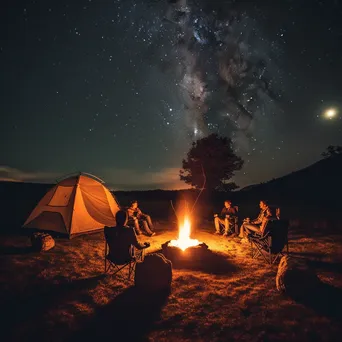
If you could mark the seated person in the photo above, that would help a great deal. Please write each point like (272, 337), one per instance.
(120, 240)
(258, 225)
(136, 216)
(227, 218)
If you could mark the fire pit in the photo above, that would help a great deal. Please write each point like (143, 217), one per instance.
(184, 251)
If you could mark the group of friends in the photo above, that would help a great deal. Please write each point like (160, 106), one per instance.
(226, 223)
(133, 222)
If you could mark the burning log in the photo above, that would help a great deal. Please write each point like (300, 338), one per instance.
(184, 241)
(184, 251)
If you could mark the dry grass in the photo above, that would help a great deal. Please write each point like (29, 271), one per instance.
(62, 295)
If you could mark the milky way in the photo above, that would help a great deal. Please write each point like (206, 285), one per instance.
(134, 82)
(226, 76)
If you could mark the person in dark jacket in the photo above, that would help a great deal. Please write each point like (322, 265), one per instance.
(226, 218)
(120, 240)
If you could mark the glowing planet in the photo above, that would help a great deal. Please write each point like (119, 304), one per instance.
(330, 113)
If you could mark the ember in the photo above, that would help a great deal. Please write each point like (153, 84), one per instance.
(184, 241)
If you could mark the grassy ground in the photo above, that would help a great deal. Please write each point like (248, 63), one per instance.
(62, 295)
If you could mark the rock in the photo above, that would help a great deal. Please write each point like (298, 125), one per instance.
(42, 242)
(154, 273)
(295, 277)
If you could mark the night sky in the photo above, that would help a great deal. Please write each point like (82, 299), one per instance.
(120, 89)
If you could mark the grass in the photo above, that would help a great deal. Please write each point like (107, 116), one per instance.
(62, 295)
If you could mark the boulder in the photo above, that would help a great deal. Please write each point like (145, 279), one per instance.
(42, 242)
(295, 277)
(154, 273)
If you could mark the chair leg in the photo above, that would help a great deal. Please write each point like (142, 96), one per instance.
(129, 270)
(119, 269)
(270, 254)
(257, 251)
(130, 267)
(254, 250)
(106, 262)
(267, 256)
(133, 264)
(275, 258)
(107, 266)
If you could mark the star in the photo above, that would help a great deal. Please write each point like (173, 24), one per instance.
(330, 113)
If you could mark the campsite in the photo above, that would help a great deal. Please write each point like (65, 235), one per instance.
(63, 294)
(171, 171)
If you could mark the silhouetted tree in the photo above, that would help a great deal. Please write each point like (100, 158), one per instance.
(214, 157)
(332, 151)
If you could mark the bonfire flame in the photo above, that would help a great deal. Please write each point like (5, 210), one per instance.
(184, 241)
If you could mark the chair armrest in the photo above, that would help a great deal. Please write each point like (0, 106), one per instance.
(259, 238)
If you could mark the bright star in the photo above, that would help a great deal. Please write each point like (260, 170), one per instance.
(330, 113)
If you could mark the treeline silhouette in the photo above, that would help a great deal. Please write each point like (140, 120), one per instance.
(315, 188)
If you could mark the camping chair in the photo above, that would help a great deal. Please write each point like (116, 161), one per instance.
(271, 244)
(113, 259)
(232, 226)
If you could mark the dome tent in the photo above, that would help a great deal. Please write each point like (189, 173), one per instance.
(77, 204)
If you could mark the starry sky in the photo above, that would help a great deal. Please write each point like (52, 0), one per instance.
(120, 89)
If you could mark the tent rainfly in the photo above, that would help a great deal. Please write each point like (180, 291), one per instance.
(78, 204)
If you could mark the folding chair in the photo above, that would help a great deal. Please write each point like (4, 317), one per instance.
(118, 260)
(231, 228)
(272, 243)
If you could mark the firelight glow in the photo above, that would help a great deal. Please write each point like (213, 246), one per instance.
(184, 241)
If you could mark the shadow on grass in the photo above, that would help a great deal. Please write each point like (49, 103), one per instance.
(306, 255)
(15, 250)
(14, 245)
(199, 259)
(335, 267)
(321, 297)
(32, 302)
(309, 231)
(129, 317)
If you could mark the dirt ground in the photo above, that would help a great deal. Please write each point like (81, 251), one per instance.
(63, 295)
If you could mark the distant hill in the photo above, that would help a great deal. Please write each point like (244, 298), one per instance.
(318, 183)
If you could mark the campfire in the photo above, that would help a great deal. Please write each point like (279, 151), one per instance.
(184, 241)
(185, 251)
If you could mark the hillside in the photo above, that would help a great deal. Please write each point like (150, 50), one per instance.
(319, 183)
